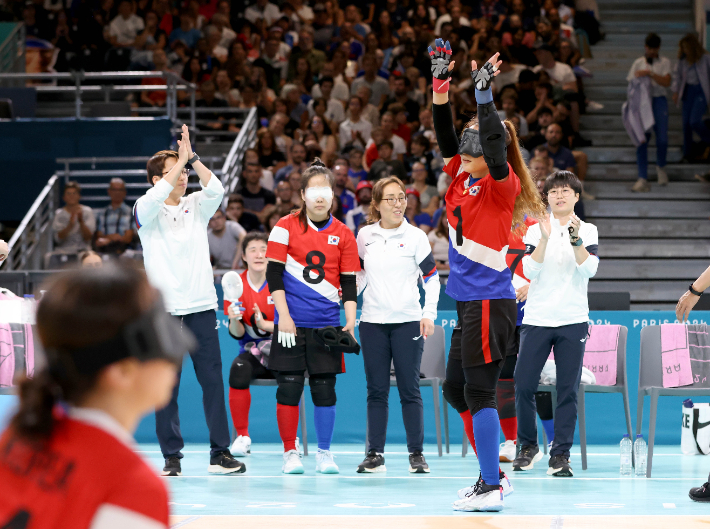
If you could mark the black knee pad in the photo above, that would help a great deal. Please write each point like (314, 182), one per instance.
(543, 402)
(453, 393)
(240, 373)
(478, 398)
(323, 390)
(290, 389)
(505, 396)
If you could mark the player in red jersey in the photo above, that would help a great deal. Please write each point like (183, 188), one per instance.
(251, 321)
(490, 192)
(66, 460)
(311, 256)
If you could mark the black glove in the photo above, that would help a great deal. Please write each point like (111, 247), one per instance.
(483, 76)
(440, 60)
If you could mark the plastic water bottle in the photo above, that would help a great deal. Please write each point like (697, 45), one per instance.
(640, 451)
(626, 465)
(28, 309)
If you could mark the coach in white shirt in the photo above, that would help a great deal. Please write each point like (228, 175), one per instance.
(393, 326)
(173, 231)
(560, 257)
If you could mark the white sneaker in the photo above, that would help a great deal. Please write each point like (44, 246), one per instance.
(482, 500)
(504, 482)
(292, 463)
(325, 463)
(662, 176)
(506, 452)
(241, 446)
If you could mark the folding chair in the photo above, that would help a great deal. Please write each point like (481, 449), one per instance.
(651, 384)
(301, 406)
(433, 367)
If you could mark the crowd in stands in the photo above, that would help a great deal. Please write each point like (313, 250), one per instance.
(346, 81)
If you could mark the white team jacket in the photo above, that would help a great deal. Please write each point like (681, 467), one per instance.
(393, 261)
(175, 248)
(558, 285)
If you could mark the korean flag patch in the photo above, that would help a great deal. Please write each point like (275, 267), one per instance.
(401, 245)
(333, 239)
(269, 300)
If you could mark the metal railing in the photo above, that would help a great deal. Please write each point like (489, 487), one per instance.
(234, 162)
(12, 51)
(33, 237)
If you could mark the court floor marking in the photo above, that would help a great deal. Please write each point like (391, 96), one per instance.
(429, 454)
(514, 477)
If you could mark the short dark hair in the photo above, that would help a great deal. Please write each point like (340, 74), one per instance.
(327, 79)
(251, 237)
(156, 164)
(653, 40)
(386, 143)
(544, 110)
(235, 198)
(563, 179)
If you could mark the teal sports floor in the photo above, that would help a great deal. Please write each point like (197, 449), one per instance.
(598, 497)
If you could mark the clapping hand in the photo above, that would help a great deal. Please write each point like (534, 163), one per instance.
(573, 226)
(545, 228)
(184, 147)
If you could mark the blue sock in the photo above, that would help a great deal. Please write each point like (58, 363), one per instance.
(324, 419)
(486, 430)
(549, 427)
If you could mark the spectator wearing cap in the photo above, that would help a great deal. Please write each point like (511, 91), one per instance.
(379, 87)
(355, 130)
(124, 29)
(262, 10)
(114, 231)
(340, 188)
(428, 195)
(414, 213)
(186, 32)
(357, 216)
(356, 172)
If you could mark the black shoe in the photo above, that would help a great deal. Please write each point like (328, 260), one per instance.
(527, 457)
(559, 467)
(373, 463)
(172, 467)
(224, 463)
(417, 463)
(700, 494)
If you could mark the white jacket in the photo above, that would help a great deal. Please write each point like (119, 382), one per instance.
(175, 248)
(392, 262)
(558, 285)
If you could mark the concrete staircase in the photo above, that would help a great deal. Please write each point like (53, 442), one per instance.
(651, 244)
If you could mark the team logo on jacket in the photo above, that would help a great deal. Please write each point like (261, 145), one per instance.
(402, 245)
(333, 239)
(187, 211)
(473, 191)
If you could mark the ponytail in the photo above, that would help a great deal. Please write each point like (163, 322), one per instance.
(34, 419)
(316, 168)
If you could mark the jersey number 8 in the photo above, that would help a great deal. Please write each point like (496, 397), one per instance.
(316, 267)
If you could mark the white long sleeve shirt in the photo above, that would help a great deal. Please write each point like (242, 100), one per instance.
(558, 285)
(392, 263)
(175, 248)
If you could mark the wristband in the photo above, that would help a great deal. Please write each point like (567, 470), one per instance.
(576, 241)
(693, 291)
(193, 159)
(439, 86)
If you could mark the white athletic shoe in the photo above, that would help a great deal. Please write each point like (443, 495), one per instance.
(485, 499)
(325, 463)
(507, 452)
(241, 446)
(292, 463)
(469, 491)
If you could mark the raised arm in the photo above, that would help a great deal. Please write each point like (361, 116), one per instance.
(441, 67)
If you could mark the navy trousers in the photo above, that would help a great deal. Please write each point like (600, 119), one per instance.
(207, 360)
(536, 343)
(382, 344)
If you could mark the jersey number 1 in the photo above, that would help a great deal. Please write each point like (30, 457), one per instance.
(459, 226)
(316, 267)
(19, 521)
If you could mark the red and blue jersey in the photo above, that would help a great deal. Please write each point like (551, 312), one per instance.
(314, 261)
(480, 214)
(250, 296)
(514, 259)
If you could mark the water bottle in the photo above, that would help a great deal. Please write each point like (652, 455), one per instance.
(640, 451)
(687, 403)
(626, 465)
(28, 309)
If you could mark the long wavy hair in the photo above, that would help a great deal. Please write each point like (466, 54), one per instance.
(528, 202)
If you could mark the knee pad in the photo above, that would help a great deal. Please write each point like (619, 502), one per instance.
(290, 389)
(323, 390)
(543, 403)
(240, 373)
(505, 396)
(453, 393)
(478, 398)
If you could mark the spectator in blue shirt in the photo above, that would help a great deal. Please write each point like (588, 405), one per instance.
(114, 232)
(356, 171)
(186, 32)
(347, 197)
(562, 157)
(414, 214)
